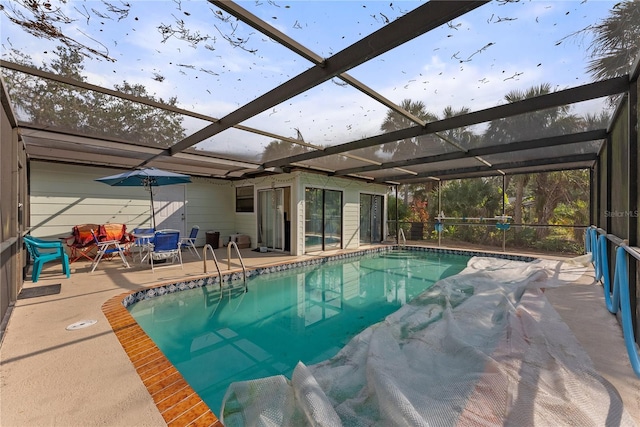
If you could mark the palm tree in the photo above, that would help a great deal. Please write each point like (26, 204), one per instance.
(538, 124)
(282, 149)
(617, 41)
(460, 136)
(422, 145)
(405, 148)
(548, 122)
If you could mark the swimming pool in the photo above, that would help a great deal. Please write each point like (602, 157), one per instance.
(304, 314)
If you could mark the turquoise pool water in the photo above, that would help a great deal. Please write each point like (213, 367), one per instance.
(305, 314)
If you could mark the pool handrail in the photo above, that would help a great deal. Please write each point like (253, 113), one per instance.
(404, 239)
(620, 300)
(215, 260)
(244, 269)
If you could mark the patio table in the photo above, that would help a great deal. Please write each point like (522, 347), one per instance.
(144, 245)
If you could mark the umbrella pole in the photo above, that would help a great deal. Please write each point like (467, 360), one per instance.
(153, 211)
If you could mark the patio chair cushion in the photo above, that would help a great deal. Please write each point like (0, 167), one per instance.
(163, 255)
(114, 232)
(82, 234)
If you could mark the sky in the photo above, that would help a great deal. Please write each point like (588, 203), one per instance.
(473, 61)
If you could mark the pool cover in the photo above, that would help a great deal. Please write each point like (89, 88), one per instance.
(483, 348)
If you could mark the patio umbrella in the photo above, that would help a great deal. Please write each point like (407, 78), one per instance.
(147, 178)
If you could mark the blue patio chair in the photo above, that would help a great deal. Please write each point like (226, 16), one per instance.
(108, 247)
(43, 251)
(190, 242)
(166, 246)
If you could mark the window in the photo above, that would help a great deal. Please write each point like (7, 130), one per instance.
(244, 199)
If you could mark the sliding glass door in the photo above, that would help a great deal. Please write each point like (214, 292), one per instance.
(371, 218)
(332, 219)
(323, 219)
(313, 228)
(271, 218)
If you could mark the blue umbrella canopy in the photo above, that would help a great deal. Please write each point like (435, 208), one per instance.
(147, 178)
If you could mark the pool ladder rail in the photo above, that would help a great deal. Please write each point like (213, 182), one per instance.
(404, 239)
(215, 260)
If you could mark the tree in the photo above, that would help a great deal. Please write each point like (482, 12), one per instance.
(280, 150)
(422, 145)
(459, 136)
(45, 102)
(552, 188)
(538, 124)
(520, 181)
(406, 148)
(470, 198)
(617, 41)
(403, 210)
(57, 105)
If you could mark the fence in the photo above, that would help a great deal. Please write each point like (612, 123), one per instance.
(489, 234)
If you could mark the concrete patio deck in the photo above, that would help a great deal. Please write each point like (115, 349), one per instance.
(51, 376)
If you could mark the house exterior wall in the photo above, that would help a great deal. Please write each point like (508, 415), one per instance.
(209, 204)
(66, 195)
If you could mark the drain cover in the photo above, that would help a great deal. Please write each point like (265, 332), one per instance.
(81, 324)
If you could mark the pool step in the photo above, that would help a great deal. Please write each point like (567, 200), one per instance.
(403, 255)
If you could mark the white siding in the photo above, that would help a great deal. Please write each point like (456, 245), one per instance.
(245, 223)
(63, 196)
(209, 205)
(66, 195)
(351, 220)
(299, 215)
